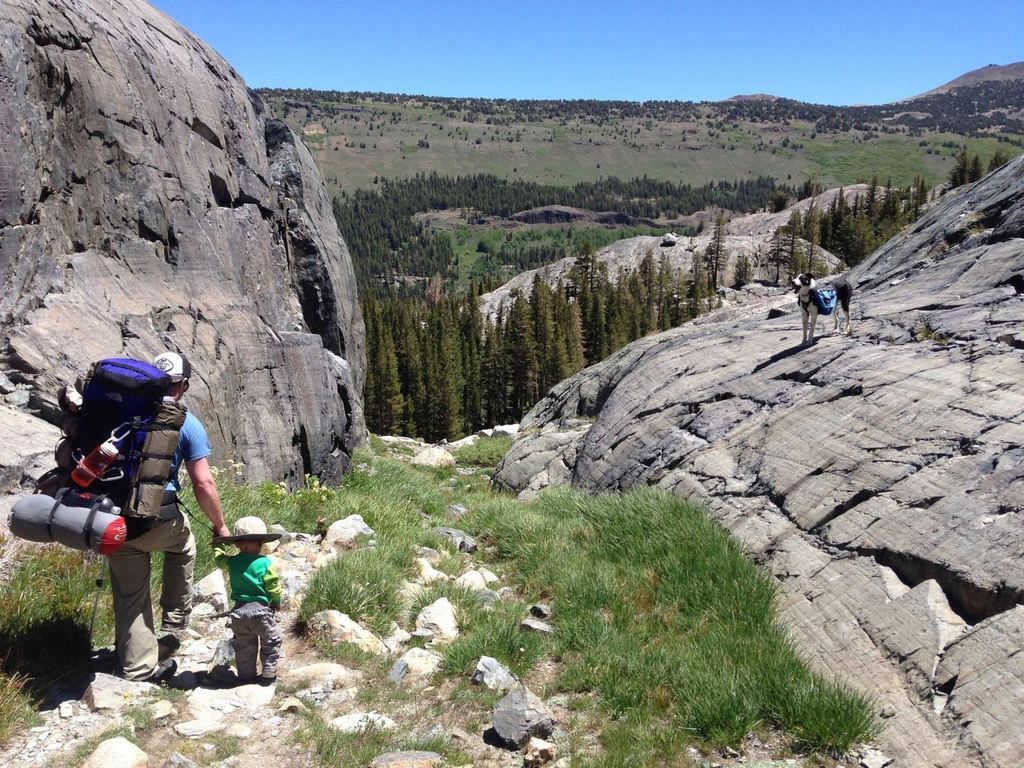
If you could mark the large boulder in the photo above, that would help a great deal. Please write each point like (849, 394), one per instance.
(879, 477)
(149, 201)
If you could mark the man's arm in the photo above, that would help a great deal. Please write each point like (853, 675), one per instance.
(205, 489)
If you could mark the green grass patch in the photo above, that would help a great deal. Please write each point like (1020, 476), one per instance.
(496, 633)
(44, 625)
(333, 748)
(15, 706)
(364, 584)
(659, 613)
(485, 452)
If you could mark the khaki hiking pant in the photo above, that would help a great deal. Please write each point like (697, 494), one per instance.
(255, 632)
(137, 648)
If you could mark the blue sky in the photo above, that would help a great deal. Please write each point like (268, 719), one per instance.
(854, 52)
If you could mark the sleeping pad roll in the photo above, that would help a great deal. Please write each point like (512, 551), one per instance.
(79, 520)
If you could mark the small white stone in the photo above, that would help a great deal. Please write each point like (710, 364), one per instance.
(342, 534)
(161, 709)
(439, 620)
(239, 731)
(489, 576)
(117, 753)
(471, 580)
(428, 573)
(325, 675)
(339, 627)
(415, 664)
(434, 456)
(360, 722)
(194, 729)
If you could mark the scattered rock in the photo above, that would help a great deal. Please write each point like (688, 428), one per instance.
(238, 731)
(324, 675)
(438, 621)
(428, 573)
(291, 704)
(872, 758)
(536, 625)
(472, 581)
(488, 596)
(415, 664)
(410, 591)
(432, 555)
(465, 442)
(339, 628)
(398, 638)
(489, 576)
(161, 709)
(194, 729)
(462, 540)
(407, 760)
(520, 715)
(434, 456)
(360, 722)
(211, 590)
(107, 693)
(117, 753)
(342, 534)
(508, 595)
(538, 753)
(178, 760)
(493, 674)
(456, 511)
(540, 611)
(18, 398)
(216, 703)
(506, 430)
(66, 709)
(6, 385)
(286, 535)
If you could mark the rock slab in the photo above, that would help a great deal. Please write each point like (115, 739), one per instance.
(520, 715)
(117, 753)
(150, 201)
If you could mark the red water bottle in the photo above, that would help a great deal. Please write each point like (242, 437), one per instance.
(92, 467)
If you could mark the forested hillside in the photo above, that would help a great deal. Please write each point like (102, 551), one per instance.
(443, 199)
(357, 137)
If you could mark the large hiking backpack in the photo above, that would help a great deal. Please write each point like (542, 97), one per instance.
(122, 400)
(825, 300)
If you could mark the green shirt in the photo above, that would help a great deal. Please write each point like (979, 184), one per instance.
(253, 578)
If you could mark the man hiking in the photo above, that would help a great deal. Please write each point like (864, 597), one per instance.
(135, 639)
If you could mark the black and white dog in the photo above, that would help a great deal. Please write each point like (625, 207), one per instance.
(804, 287)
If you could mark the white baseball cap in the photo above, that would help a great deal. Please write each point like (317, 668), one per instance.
(174, 365)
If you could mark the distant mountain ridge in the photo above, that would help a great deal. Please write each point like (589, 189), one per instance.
(988, 73)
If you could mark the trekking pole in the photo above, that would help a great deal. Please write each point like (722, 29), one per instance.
(96, 599)
(188, 511)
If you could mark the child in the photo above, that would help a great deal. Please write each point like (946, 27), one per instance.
(256, 592)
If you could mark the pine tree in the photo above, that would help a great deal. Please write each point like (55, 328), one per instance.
(521, 356)
(794, 246)
(715, 258)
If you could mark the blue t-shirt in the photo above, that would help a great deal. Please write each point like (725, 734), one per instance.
(193, 444)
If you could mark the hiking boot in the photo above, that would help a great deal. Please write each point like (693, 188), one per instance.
(167, 646)
(164, 671)
(266, 681)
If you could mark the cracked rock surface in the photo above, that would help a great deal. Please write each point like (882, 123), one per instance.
(880, 477)
(147, 200)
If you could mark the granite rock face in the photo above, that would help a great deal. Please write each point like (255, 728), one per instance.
(879, 477)
(148, 201)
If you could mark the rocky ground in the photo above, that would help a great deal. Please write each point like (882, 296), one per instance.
(878, 475)
(340, 678)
